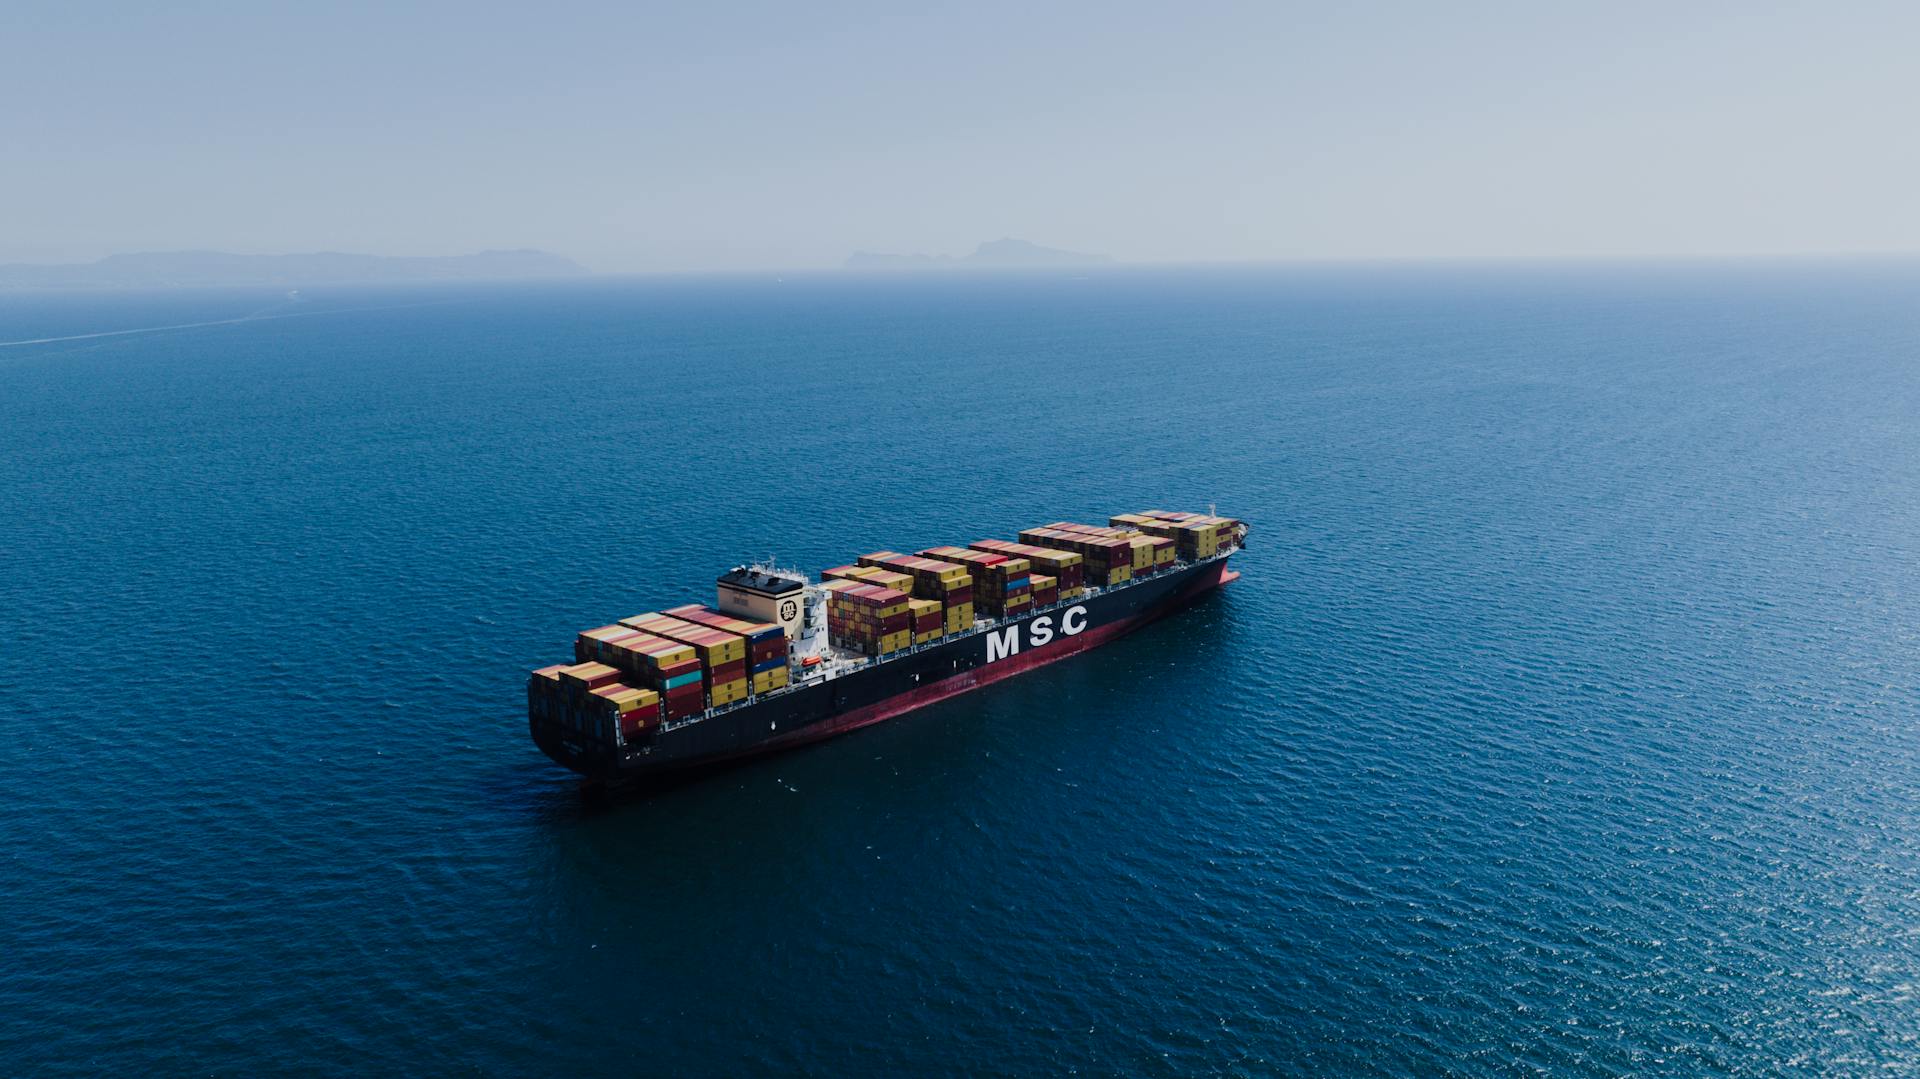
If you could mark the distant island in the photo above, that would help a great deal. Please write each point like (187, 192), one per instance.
(182, 269)
(1004, 254)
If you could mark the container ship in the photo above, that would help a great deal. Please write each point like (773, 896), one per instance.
(780, 659)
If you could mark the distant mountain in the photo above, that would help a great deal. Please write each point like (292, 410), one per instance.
(1004, 254)
(170, 269)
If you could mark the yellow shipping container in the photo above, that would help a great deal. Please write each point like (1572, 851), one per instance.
(727, 693)
(887, 578)
(768, 681)
(1055, 561)
(930, 635)
(894, 642)
(627, 698)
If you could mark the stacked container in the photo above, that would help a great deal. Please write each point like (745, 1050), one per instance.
(577, 684)
(1161, 550)
(635, 709)
(867, 618)
(1066, 567)
(767, 645)
(591, 699)
(1108, 561)
(880, 575)
(1143, 549)
(1000, 585)
(1046, 590)
(1151, 553)
(929, 621)
(543, 694)
(951, 584)
(1196, 535)
(723, 655)
(670, 668)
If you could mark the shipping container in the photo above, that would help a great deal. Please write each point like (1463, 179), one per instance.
(999, 581)
(867, 618)
(724, 693)
(1046, 590)
(1066, 567)
(577, 679)
(1108, 560)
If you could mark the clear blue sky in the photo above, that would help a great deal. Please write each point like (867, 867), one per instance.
(669, 137)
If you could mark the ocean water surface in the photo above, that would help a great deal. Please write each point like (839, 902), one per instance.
(1566, 718)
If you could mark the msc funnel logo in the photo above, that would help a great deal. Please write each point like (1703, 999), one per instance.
(1006, 642)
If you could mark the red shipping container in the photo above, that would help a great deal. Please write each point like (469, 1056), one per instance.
(585, 676)
(681, 703)
(632, 723)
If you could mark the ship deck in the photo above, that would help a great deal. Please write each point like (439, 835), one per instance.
(836, 662)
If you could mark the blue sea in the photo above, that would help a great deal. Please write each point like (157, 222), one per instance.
(1566, 719)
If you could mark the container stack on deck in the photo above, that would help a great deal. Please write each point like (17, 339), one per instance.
(1108, 561)
(634, 708)
(1046, 590)
(767, 648)
(589, 697)
(1151, 554)
(866, 618)
(670, 668)
(1000, 585)
(577, 686)
(933, 579)
(881, 575)
(1194, 535)
(1065, 567)
(723, 655)
(929, 621)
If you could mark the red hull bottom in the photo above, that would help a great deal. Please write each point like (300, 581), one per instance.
(915, 699)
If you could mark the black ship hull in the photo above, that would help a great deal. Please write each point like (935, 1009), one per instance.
(814, 709)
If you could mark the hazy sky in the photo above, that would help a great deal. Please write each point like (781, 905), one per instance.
(708, 136)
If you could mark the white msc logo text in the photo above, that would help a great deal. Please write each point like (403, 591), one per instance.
(1006, 642)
